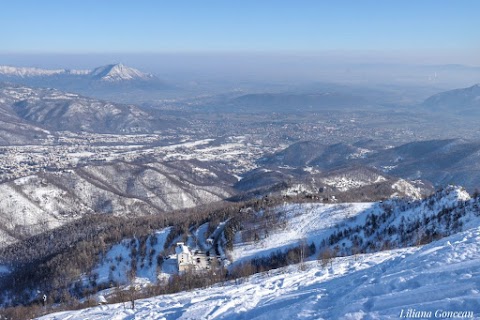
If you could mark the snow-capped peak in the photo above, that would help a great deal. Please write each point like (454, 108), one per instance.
(118, 72)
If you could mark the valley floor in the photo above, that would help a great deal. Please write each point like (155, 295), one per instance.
(438, 280)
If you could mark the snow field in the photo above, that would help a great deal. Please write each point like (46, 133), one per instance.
(443, 275)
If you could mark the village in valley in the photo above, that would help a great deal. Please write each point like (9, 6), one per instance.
(82, 149)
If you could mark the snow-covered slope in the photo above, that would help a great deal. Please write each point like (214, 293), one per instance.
(14, 129)
(354, 226)
(115, 265)
(302, 222)
(57, 110)
(437, 280)
(346, 184)
(37, 203)
(262, 236)
(438, 161)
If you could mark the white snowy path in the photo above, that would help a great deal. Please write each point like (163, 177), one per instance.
(444, 275)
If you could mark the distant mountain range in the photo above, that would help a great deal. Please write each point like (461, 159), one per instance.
(439, 161)
(26, 72)
(111, 73)
(106, 82)
(460, 101)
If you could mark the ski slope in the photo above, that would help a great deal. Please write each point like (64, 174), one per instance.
(304, 222)
(315, 222)
(437, 279)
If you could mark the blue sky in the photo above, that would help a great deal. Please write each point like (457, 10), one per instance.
(446, 27)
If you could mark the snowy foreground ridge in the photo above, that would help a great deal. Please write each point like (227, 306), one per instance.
(437, 281)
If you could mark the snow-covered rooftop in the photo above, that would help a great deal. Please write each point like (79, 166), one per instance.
(181, 248)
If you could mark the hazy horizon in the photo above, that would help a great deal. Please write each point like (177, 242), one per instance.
(429, 31)
(291, 68)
